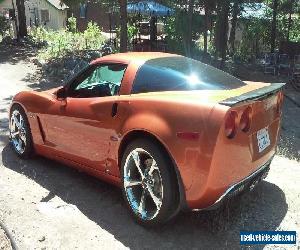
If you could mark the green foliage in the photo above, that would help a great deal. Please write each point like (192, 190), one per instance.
(255, 39)
(174, 38)
(4, 25)
(294, 33)
(92, 36)
(132, 31)
(176, 30)
(72, 24)
(39, 34)
(257, 32)
(282, 28)
(200, 44)
(59, 43)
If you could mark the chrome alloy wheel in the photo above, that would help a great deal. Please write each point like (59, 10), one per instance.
(17, 131)
(143, 184)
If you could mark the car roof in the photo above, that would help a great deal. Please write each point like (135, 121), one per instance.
(133, 57)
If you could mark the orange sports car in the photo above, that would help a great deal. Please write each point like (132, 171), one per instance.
(172, 132)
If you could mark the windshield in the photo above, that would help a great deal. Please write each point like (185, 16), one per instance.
(180, 74)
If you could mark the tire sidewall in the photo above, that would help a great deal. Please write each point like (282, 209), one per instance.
(168, 181)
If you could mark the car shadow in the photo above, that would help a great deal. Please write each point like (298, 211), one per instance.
(262, 209)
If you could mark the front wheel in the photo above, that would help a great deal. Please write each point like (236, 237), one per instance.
(20, 134)
(149, 183)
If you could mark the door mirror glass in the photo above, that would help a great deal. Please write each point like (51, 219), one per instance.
(61, 94)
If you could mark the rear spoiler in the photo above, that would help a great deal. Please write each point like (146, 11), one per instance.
(254, 95)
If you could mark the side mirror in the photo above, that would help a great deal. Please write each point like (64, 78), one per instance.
(61, 94)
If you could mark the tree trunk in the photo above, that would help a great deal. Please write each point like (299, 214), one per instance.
(235, 13)
(274, 25)
(257, 46)
(206, 18)
(123, 21)
(290, 20)
(221, 36)
(190, 30)
(22, 29)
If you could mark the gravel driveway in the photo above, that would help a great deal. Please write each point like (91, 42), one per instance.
(47, 205)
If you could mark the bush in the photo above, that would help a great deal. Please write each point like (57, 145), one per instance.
(72, 24)
(4, 26)
(38, 35)
(59, 43)
(92, 36)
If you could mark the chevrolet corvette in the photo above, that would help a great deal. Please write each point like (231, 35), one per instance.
(173, 133)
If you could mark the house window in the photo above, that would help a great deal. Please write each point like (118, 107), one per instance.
(45, 16)
(82, 10)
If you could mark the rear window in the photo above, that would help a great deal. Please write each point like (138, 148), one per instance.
(180, 74)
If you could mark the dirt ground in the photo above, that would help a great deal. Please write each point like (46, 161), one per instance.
(46, 205)
(4, 241)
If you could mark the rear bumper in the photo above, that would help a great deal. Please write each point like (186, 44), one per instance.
(247, 184)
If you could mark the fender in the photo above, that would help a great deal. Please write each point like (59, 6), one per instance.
(149, 122)
(156, 125)
(34, 104)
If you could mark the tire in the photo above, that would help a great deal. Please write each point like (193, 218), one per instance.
(150, 191)
(20, 133)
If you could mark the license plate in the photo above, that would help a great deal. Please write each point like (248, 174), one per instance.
(263, 139)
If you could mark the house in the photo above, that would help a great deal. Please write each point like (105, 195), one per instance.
(106, 16)
(48, 13)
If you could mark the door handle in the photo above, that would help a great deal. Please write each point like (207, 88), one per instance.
(114, 109)
(63, 104)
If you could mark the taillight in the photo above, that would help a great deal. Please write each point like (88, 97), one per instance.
(279, 102)
(245, 122)
(230, 124)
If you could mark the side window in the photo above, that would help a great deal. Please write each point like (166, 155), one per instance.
(104, 80)
(181, 74)
(152, 79)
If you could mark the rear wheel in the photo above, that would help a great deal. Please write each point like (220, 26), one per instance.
(149, 183)
(20, 134)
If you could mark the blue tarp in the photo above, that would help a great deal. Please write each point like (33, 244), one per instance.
(149, 8)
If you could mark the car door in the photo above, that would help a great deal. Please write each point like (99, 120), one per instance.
(81, 126)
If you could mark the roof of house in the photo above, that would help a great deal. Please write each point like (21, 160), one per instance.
(58, 4)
